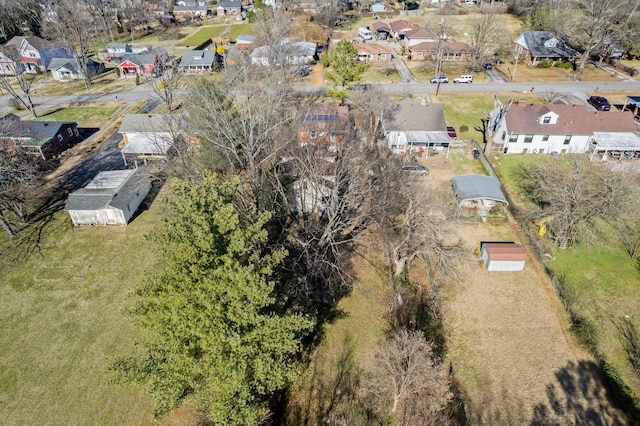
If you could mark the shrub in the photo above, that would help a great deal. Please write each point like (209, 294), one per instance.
(566, 65)
(464, 128)
(545, 63)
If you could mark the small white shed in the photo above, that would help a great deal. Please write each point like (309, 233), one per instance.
(111, 198)
(505, 257)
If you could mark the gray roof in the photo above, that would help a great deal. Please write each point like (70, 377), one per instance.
(148, 57)
(67, 63)
(151, 123)
(196, 58)
(229, 4)
(113, 189)
(245, 38)
(474, 187)
(40, 132)
(535, 42)
(409, 116)
(193, 8)
(294, 49)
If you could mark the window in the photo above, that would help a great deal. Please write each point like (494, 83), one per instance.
(546, 120)
(528, 138)
(513, 137)
(541, 151)
(545, 138)
(312, 134)
(567, 139)
(525, 150)
(59, 137)
(75, 130)
(70, 132)
(420, 53)
(504, 135)
(383, 56)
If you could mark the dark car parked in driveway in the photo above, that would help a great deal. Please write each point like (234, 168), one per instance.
(451, 131)
(599, 103)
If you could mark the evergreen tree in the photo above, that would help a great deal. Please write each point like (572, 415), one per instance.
(215, 328)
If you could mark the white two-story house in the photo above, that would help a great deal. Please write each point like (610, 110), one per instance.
(553, 128)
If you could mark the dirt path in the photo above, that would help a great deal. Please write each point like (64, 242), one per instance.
(509, 343)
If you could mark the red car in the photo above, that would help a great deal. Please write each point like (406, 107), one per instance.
(452, 132)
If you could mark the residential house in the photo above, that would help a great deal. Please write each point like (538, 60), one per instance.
(308, 6)
(553, 128)
(46, 139)
(381, 30)
(63, 69)
(534, 46)
(144, 64)
(452, 51)
(417, 35)
(291, 53)
(377, 8)
(198, 61)
(245, 42)
(414, 127)
(111, 198)
(191, 11)
(314, 183)
(374, 52)
(326, 126)
(229, 8)
(118, 50)
(7, 65)
(32, 53)
(151, 135)
(399, 27)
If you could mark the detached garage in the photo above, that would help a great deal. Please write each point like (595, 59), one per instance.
(505, 257)
(111, 198)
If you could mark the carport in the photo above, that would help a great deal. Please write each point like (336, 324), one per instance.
(615, 144)
(477, 192)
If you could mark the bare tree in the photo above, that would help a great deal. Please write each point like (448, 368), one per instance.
(404, 380)
(418, 225)
(598, 22)
(17, 14)
(19, 86)
(168, 83)
(574, 193)
(368, 105)
(18, 176)
(486, 34)
(73, 25)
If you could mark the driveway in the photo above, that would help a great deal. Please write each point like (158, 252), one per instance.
(402, 69)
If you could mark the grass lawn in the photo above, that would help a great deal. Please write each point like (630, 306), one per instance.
(235, 30)
(348, 343)
(62, 323)
(381, 73)
(202, 35)
(108, 82)
(85, 116)
(604, 280)
(465, 113)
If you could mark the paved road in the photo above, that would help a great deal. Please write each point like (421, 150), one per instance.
(143, 92)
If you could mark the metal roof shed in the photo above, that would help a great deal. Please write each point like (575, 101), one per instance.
(111, 198)
(503, 257)
(477, 191)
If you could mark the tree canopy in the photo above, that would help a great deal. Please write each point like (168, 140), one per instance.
(344, 62)
(215, 330)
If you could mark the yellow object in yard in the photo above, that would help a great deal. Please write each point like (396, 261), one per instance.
(160, 85)
(542, 225)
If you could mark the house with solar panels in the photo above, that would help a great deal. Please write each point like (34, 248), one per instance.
(111, 198)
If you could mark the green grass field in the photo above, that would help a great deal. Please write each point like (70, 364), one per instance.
(604, 281)
(235, 30)
(62, 323)
(202, 35)
(85, 116)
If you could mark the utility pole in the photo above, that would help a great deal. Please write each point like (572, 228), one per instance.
(441, 39)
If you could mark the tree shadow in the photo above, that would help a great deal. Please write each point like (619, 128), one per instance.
(324, 392)
(579, 396)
